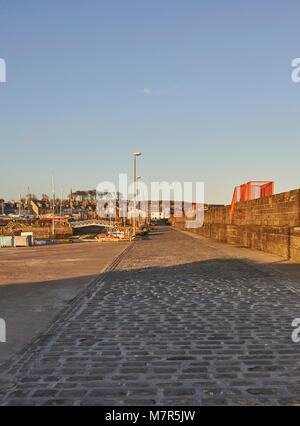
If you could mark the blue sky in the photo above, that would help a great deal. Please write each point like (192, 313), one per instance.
(220, 105)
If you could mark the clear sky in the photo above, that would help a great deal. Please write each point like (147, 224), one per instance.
(202, 87)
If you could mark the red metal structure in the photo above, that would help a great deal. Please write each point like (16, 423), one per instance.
(251, 191)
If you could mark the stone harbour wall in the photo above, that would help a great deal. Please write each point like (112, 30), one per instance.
(270, 224)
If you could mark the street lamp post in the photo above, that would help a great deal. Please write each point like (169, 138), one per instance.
(136, 154)
(138, 216)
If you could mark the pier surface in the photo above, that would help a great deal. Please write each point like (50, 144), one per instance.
(178, 321)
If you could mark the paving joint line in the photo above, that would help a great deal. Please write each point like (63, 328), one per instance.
(27, 353)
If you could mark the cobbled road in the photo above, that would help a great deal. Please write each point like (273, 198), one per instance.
(177, 322)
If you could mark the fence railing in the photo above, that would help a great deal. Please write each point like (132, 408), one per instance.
(251, 191)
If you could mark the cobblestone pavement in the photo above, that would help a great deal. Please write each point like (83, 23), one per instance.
(178, 322)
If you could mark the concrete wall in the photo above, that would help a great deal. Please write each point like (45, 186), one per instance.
(270, 224)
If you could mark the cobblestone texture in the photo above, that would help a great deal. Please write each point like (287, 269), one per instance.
(179, 322)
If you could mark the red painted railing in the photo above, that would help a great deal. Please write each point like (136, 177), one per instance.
(251, 191)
